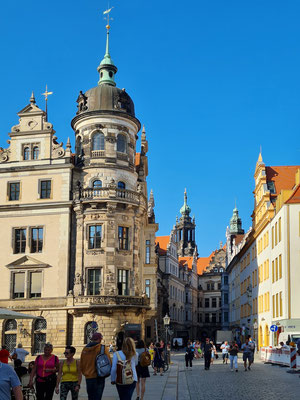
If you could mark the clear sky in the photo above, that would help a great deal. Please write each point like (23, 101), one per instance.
(211, 80)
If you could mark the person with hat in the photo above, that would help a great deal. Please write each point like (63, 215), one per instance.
(94, 383)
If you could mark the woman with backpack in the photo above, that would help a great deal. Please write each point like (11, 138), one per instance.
(123, 371)
(144, 360)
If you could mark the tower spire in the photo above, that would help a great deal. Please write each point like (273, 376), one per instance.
(107, 69)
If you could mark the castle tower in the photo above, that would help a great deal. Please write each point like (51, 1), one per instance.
(236, 223)
(185, 228)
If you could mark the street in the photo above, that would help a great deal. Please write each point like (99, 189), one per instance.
(263, 382)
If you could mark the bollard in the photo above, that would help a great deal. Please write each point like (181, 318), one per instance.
(293, 357)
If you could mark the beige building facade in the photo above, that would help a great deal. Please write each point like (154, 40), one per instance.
(77, 230)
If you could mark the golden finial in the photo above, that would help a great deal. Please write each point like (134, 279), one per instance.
(107, 17)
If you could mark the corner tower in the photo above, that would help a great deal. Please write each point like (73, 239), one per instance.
(115, 239)
(185, 229)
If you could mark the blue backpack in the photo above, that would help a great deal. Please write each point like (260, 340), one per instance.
(103, 365)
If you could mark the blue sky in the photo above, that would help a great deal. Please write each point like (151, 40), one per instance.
(211, 80)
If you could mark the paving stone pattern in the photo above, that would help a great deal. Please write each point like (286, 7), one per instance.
(263, 382)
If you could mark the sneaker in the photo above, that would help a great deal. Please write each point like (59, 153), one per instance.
(249, 368)
(137, 398)
(245, 369)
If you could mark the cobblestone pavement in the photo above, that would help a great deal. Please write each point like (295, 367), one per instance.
(263, 382)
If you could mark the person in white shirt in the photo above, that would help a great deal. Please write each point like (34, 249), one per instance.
(225, 348)
(19, 353)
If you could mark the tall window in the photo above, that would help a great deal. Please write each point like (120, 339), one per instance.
(123, 281)
(121, 185)
(206, 316)
(213, 317)
(147, 251)
(225, 316)
(123, 238)
(96, 186)
(26, 153)
(14, 191)
(121, 144)
(35, 284)
(19, 240)
(36, 152)
(45, 189)
(147, 287)
(214, 302)
(206, 303)
(36, 245)
(98, 141)
(95, 234)
(225, 298)
(94, 281)
(18, 285)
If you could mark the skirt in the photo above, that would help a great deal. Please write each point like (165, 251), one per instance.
(142, 372)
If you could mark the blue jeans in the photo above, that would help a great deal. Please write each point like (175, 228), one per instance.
(94, 388)
(233, 359)
(126, 391)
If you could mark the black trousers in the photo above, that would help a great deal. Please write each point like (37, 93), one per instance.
(45, 390)
(188, 359)
(207, 358)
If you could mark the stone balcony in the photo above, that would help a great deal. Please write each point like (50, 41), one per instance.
(111, 302)
(117, 194)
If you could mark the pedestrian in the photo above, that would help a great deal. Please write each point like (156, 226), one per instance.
(247, 355)
(44, 370)
(207, 347)
(213, 352)
(19, 353)
(20, 370)
(4, 355)
(252, 345)
(123, 371)
(94, 383)
(225, 348)
(141, 370)
(176, 345)
(233, 356)
(9, 381)
(30, 366)
(158, 360)
(151, 350)
(197, 347)
(69, 375)
(189, 355)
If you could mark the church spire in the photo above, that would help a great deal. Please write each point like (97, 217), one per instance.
(107, 69)
(185, 209)
(236, 223)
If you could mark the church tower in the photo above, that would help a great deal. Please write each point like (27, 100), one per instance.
(185, 229)
(236, 223)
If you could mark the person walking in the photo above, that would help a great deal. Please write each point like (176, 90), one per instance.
(197, 348)
(225, 348)
(213, 352)
(9, 381)
(44, 370)
(142, 371)
(207, 348)
(189, 355)
(247, 355)
(69, 375)
(253, 346)
(94, 383)
(19, 353)
(158, 359)
(124, 367)
(233, 356)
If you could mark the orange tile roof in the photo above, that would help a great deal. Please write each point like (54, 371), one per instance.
(295, 197)
(186, 260)
(203, 262)
(162, 242)
(137, 159)
(282, 176)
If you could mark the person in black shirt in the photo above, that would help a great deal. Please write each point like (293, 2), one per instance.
(207, 348)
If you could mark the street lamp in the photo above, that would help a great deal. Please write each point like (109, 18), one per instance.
(255, 326)
(166, 320)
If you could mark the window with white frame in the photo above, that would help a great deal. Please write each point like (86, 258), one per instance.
(147, 287)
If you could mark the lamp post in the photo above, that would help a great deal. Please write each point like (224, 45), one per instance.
(255, 326)
(166, 320)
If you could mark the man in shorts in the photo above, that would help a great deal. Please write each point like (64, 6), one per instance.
(225, 348)
(247, 354)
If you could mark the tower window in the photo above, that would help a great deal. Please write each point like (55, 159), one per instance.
(123, 234)
(36, 152)
(26, 153)
(98, 141)
(110, 74)
(95, 235)
(121, 185)
(97, 184)
(78, 147)
(121, 144)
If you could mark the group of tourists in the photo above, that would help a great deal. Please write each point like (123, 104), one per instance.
(128, 369)
(230, 351)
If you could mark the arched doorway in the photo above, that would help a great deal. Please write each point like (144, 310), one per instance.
(90, 328)
(266, 339)
(10, 334)
(39, 335)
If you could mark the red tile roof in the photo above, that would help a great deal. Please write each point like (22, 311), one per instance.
(162, 242)
(203, 262)
(186, 260)
(282, 176)
(295, 197)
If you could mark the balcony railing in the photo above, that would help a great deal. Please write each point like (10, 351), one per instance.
(110, 193)
(97, 153)
(112, 300)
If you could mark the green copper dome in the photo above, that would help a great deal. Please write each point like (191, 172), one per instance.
(185, 209)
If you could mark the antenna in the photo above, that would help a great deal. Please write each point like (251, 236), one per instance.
(46, 94)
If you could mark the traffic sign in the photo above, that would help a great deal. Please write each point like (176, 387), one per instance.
(273, 328)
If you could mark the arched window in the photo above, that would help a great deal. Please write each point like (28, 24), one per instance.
(121, 185)
(26, 153)
(90, 329)
(98, 141)
(10, 334)
(97, 184)
(121, 144)
(39, 326)
(36, 152)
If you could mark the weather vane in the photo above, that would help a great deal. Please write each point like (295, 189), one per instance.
(107, 17)
(46, 94)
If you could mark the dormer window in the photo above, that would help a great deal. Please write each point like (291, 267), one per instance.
(26, 153)
(121, 144)
(98, 141)
(35, 152)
